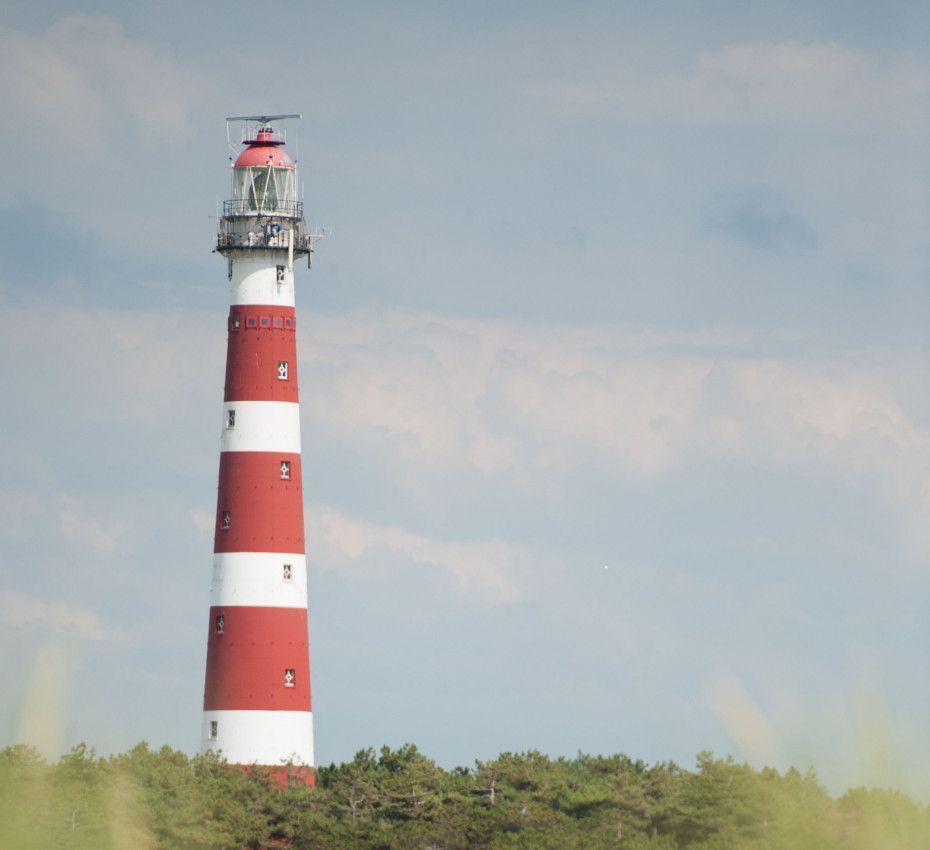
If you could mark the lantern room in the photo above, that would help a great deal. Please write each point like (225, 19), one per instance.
(264, 176)
(265, 212)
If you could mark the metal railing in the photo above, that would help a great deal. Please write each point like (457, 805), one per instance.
(245, 206)
(263, 133)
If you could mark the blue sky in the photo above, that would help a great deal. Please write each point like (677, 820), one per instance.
(620, 285)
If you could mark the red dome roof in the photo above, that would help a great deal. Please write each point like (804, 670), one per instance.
(261, 152)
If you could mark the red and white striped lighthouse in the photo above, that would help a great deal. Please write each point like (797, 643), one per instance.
(256, 705)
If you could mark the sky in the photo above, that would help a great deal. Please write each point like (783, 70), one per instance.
(615, 380)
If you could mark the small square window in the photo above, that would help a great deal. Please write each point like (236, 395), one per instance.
(277, 321)
(220, 623)
(289, 677)
(214, 728)
(285, 469)
(226, 521)
(266, 322)
(250, 322)
(230, 418)
(282, 370)
(279, 273)
(288, 572)
(287, 323)
(236, 321)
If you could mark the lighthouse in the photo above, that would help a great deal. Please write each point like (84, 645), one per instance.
(256, 705)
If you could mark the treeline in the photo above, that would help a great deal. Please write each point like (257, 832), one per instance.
(147, 799)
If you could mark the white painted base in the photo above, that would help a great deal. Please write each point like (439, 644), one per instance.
(257, 579)
(254, 280)
(260, 737)
(261, 426)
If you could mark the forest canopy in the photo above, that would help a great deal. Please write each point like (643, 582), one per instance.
(146, 799)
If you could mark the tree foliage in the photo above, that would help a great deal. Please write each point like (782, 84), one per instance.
(401, 800)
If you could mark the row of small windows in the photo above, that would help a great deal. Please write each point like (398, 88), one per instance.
(286, 322)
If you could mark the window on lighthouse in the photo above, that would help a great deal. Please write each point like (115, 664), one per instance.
(289, 677)
(288, 572)
(230, 418)
(214, 728)
(285, 469)
(282, 370)
(220, 623)
(225, 521)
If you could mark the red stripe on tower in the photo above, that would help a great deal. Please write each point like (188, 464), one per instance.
(259, 503)
(257, 707)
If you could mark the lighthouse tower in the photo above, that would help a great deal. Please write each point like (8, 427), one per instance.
(256, 705)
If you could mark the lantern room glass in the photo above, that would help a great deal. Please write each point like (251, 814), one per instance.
(265, 189)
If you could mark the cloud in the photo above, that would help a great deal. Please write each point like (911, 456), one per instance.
(760, 82)
(21, 610)
(83, 529)
(86, 77)
(204, 521)
(72, 519)
(117, 366)
(761, 221)
(492, 410)
(96, 121)
(488, 395)
(483, 568)
(789, 81)
(497, 395)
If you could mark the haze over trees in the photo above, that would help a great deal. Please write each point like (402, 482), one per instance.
(146, 799)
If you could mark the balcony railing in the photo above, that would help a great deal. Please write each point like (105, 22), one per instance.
(245, 206)
(263, 133)
(303, 242)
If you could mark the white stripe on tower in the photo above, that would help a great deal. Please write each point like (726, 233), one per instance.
(261, 737)
(270, 579)
(261, 426)
(255, 281)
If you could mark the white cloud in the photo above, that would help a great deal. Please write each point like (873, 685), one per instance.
(77, 521)
(492, 395)
(495, 394)
(21, 610)
(118, 366)
(97, 122)
(81, 528)
(520, 409)
(761, 82)
(794, 81)
(83, 76)
(204, 521)
(484, 568)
